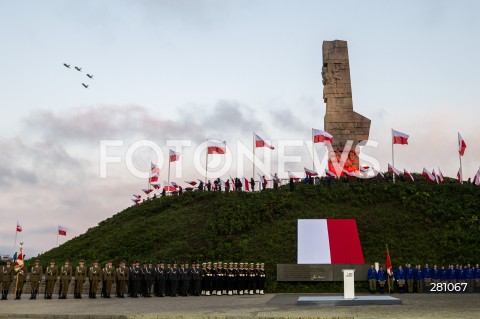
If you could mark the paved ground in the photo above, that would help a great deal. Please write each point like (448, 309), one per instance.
(267, 306)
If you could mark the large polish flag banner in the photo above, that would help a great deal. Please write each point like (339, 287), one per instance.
(328, 241)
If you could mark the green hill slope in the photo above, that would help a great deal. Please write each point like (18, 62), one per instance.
(419, 222)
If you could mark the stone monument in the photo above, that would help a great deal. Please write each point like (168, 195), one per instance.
(340, 119)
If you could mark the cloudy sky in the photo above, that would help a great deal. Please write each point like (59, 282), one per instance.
(192, 70)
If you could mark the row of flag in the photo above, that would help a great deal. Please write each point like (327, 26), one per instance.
(62, 230)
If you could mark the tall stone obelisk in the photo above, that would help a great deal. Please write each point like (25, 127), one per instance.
(340, 119)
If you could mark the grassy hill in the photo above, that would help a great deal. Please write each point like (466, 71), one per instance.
(419, 221)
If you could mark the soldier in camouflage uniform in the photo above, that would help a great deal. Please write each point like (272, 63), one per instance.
(108, 277)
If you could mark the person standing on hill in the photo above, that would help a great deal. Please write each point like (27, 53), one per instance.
(51, 276)
(80, 277)
(276, 181)
(372, 279)
(65, 278)
(36, 273)
(252, 184)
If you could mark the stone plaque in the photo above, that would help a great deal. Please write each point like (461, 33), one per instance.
(303, 272)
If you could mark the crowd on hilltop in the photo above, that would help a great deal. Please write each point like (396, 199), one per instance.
(408, 278)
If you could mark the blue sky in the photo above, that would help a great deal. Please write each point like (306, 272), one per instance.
(196, 69)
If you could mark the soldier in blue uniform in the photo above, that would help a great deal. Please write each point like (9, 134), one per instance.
(451, 276)
(400, 278)
(443, 274)
(436, 274)
(427, 276)
(196, 279)
(372, 279)
(418, 276)
(409, 277)
(477, 277)
(469, 274)
(160, 274)
(382, 277)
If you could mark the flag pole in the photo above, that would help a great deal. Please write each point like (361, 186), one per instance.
(206, 166)
(387, 270)
(313, 155)
(57, 237)
(461, 169)
(15, 243)
(253, 160)
(393, 159)
(168, 179)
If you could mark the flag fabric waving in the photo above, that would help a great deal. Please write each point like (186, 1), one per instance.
(330, 173)
(216, 147)
(429, 176)
(440, 176)
(19, 227)
(320, 136)
(153, 178)
(394, 170)
(407, 173)
(137, 196)
(461, 145)
(174, 156)
(156, 186)
(259, 142)
(135, 200)
(193, 183)
(62, 231)
(19, 261)
(310, 172)
(459, 177)
(348, 174)
(388, 263)
(399, 137)
(246, 184)
(147, 191)
(154, 168)
(293, 176)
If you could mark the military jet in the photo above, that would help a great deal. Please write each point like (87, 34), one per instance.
(85, 85)
(90, 76)
(78, 69)
(67, 65)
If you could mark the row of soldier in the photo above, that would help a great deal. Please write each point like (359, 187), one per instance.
(410, 278)
(164, 279)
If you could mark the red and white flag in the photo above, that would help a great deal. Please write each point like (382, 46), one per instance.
(459, 177)
(169, 188)
(137, 196)
(135, 200)
(388, 263)
(399, 137)
(174, 184)
(320, 136)
(156, 186)
(407, 173)
(348, 174)
(263, 179)
(232, 182)
(476, 179)
(216, 147)
(293, 176)
(461, 145)
(310, 172)
(329, 173)
(246, 184)
(440, 176)
(147, 191)
(328, 241)
(19, 227)
(429, 176)
(193, 183)
(19, 262)
(375, 172)
(437, 180)
(259, 142)
(154, 168)
(62, 231)
(153, 178)
(174, 156)
(394, 170)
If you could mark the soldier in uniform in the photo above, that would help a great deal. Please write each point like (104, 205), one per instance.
(436, 273)
(231, 274)
(469, 274)
(20, 281)
(382, 278)
(51, 276)
(149, 277)
(419, 278)
(409, 277)
(241, 279)
(213, 272)
(225, 278)
(219, 278)
(251, 279)
(372, 279)
(94, 277)
(174, 276)
(206, 279)
(196, 279)
(263, 276)
(400, 278)
(7, 277)
(183, 273)
(135, 277)
(108, 277)
(443, 274)
(65, 278)
(160, 275)
(257, 278)
(80, 277)
(35, 277)
(121, 276)
(477, 277)
(427, 276)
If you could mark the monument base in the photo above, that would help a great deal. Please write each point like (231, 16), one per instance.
(340, 301)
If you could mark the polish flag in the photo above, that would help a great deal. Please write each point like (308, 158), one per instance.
(135, 200)
(435, 176)
(459, 176)
(394, 170)
(19, 261)
(330, 173)
(147, 191)
(137, 196)
(388, 263)
(216, 147)
(407, 173)
(19, 227)
(399, 137)
(246, 184)
(259, 142)
(169, 188)
(156, 186)
(461, 145)
(263, 180)
(328, 241)
(193, 183)
(348, 174)
(375, 172)
(428, 175)
(476, 179)
(153, 178)
(154, 168)
(174, 184)
(174, 156)
(232, 184)
(62, 231)
(320, 136)
(310, 172)
(291, 175)
(440, 176)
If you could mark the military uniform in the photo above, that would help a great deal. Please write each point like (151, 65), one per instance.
(174, 276)
(419, 278)
(80, 277)
(197, 280)
(149, 278)
(231, 274)
(184, 274)
(135, 277)
(51, 276)
(36, 273)
(241, 279)
(94, 277)
(160, 274)
(400, 278)
(382, 278)
(108, 277)
(219, 278)
(7, 278)
(372, 279)
(409, 277)
(251, 279)
(65, 278)
(20, 281)
(206, 279)
(122, 278)
(427, 276)
(262, 274)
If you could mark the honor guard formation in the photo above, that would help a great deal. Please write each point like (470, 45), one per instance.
(160, 280)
